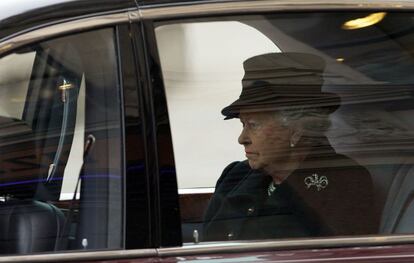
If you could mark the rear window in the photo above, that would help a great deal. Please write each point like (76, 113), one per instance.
(318, 130)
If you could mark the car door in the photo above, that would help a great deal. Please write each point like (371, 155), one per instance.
(74, 171)
(197, 57)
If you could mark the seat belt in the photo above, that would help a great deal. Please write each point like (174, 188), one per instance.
(65, 97)
(62, 241)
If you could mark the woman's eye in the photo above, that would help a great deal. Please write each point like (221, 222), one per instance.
(253, 125)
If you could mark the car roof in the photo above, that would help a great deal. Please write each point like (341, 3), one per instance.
(18, 15)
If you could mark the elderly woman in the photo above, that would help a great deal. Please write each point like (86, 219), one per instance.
(292, 184)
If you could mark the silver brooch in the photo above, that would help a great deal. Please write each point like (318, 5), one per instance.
(271, 189)
(319, 182)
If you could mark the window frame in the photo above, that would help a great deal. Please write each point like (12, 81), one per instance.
(133, 79)
(164, 194)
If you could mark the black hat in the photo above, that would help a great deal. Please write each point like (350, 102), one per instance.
(281, 81)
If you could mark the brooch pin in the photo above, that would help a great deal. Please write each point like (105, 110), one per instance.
(319, 182)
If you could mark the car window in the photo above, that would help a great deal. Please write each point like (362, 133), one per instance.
(60, 150)
(291, 125)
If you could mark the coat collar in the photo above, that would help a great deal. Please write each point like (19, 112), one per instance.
(253, 184)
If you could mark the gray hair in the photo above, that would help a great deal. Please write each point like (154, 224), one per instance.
(313, 122)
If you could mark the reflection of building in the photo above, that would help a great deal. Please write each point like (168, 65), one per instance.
(368, 122)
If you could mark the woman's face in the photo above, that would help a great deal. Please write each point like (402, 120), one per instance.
(266, 141)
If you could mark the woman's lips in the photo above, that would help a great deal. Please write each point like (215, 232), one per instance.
(250, 154)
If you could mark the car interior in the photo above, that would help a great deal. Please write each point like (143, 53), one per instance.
(55, 177)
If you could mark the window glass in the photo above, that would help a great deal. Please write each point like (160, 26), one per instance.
(189, 66)
(291, 125)
(60, 150)
(14, 81)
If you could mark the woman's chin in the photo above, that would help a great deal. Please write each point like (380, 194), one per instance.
(254, 164)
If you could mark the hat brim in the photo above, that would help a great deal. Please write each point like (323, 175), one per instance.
(330, 102)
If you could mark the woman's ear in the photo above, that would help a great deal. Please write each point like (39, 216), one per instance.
(295, 136)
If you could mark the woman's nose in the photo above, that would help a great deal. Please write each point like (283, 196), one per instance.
(244, 138)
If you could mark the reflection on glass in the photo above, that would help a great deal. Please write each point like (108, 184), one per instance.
(366, 143)
(369, 20)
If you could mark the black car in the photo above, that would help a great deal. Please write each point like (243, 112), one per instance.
(113, 143)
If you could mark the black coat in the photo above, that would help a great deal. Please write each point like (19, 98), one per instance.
(241, 208)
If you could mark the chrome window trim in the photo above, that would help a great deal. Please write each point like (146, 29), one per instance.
(243, 7)
(196, 190)
(63, 27)
(260, 245)
(85, 255)
(220, 247)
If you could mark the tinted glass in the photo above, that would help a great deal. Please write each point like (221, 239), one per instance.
(317, 136)
(60, 146)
